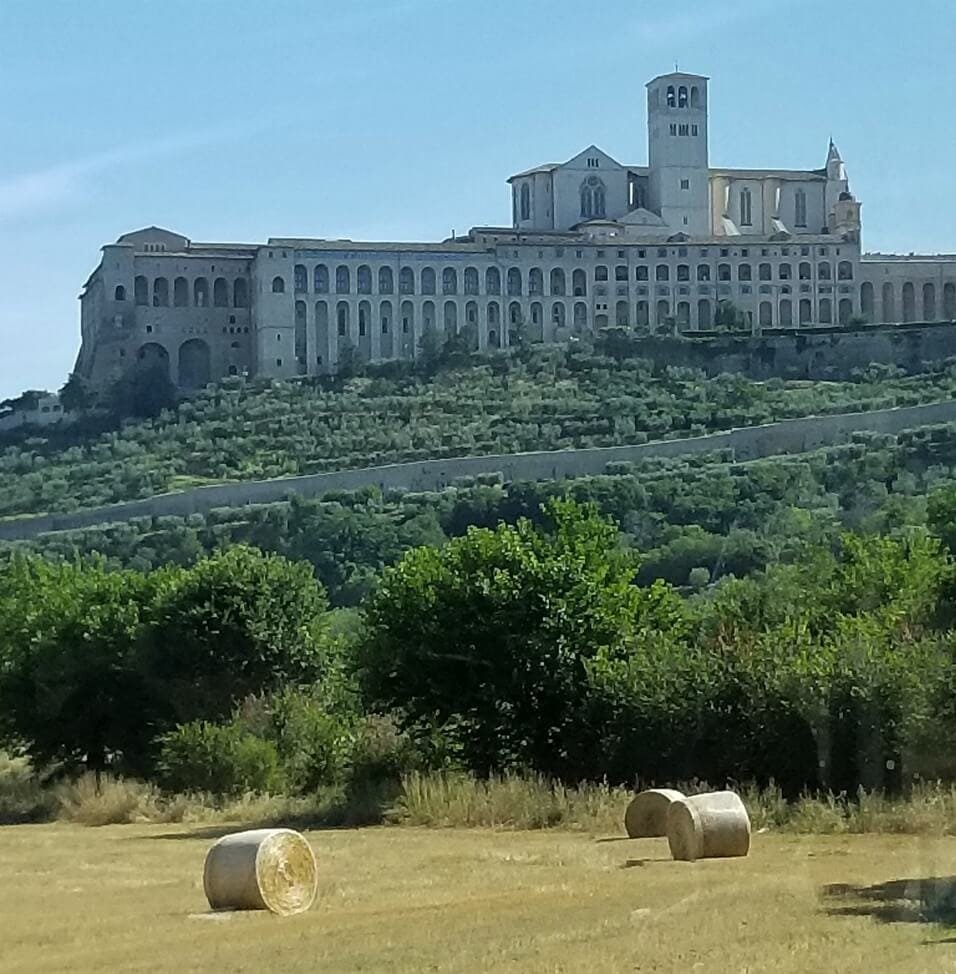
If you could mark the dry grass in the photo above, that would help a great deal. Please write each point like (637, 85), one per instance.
(408, 900)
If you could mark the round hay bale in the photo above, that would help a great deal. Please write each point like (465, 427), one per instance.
(262, 869)
(714, 825)
(646, 815)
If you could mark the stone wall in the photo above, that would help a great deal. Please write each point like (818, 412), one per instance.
(748, 443)
(831, 353)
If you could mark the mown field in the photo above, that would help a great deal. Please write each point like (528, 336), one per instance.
(129, 898)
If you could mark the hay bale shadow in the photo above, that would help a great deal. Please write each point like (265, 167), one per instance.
(923, 900)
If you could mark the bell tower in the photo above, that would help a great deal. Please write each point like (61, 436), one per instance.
(678, 157)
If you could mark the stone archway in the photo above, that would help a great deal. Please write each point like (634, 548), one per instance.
(194, 364)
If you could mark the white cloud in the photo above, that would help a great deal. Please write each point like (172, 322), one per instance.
(55, 185)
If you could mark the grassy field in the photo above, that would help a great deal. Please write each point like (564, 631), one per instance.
(129, 898)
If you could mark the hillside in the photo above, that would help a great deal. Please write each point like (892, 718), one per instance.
(552, 399)
(692, 519)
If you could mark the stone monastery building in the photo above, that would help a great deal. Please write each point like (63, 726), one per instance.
(593, 243)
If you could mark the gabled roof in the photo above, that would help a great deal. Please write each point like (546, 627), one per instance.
(552, 166)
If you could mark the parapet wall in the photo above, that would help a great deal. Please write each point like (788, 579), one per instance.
(747, 443)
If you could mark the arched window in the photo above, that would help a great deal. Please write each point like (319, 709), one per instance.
(535, 281)
(826, 311)
(406, 281)
(909, 302)
(428, 280)
(844, 271)
(662, 273)
(278, 285)
(663, 313)
(683, 315)
(683, 272)
(866, 300)
(385, 280)
(160, 292)
(800, 208)
(949, 301)
(493, 281)
(786, 313)
(180, 292)
(201, 292)
(300, 278)
(449, 281)
(342, 319)
(765, 272)
(580, 316)
(514, 281)
(514, 313)
(824, 272)
(704, 317)
(321, 331)
(320, 279)
(806, 271)
(557, 281)
(120, 293)
(766, 314)
(494, 317)
(622, 317)
(671, 97)
(846, 310)
(785, 272)
(600, 273)
(240, 293)
(746, 208)
(343, 279)
(471, 280)
(364, 317)
(745, 272)
(299, 337)
(558, 314)
(723, 272)
(703, 272)
(929, 302)
(220, 293)
(525, 201)
(593, 198)
(579, 283)
(428, 315)
(682, 97)
(695, 103)
(806, 311)
(889, 303)
(363, 278)
(141, 290)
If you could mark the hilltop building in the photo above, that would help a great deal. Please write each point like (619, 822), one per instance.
(593, 243)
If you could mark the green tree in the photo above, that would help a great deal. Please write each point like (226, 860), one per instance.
(237, 623)
(489, 637)
(71, 689)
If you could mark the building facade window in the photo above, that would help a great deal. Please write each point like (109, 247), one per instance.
(746, 208)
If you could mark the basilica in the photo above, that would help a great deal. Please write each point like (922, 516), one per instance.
(658, 248)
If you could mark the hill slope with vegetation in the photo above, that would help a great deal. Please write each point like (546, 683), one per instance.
(545, 399)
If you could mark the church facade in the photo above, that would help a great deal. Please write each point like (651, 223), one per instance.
(594, 243)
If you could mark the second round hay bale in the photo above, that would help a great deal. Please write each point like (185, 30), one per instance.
(646, 815)
(714, 825)
(261, 869)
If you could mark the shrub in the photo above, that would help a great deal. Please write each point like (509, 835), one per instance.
(222, 759)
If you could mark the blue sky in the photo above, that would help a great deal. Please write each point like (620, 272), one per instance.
(401, 119)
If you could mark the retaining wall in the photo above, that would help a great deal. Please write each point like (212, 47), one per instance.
(747, 443)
